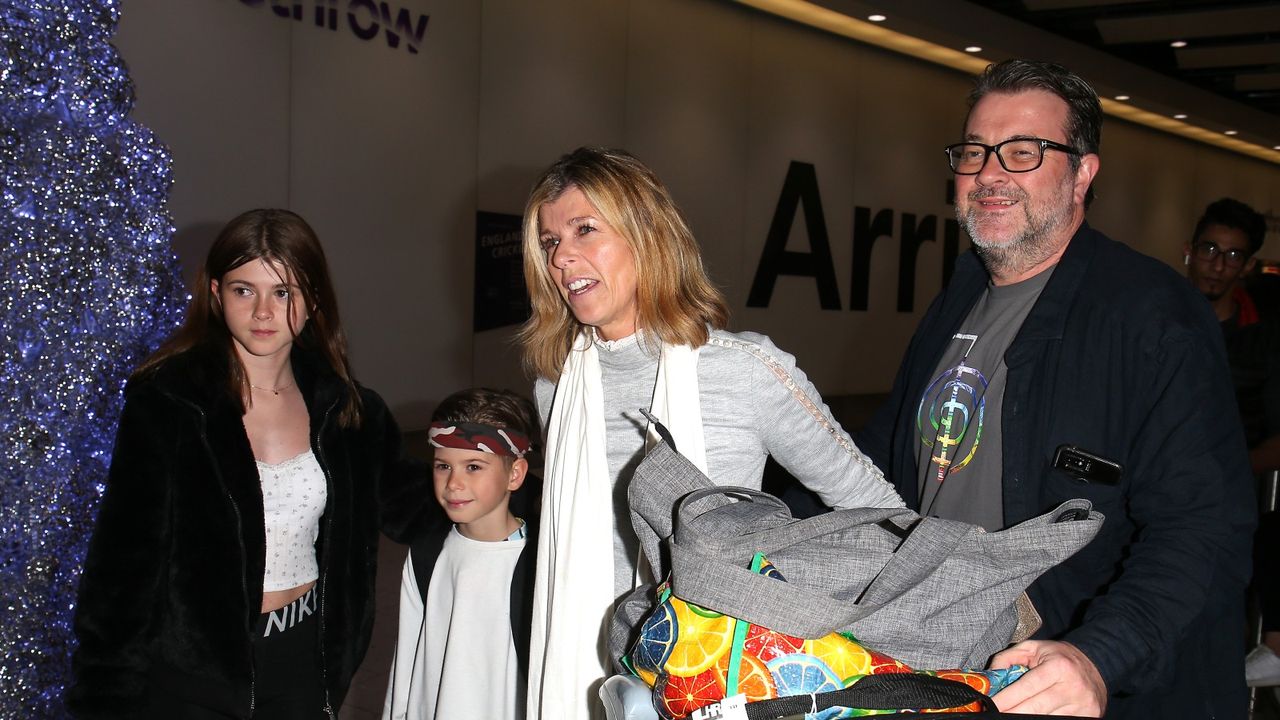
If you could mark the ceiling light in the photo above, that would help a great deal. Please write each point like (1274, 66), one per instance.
(1229, 132)
(1178, 43)
(877, 18)
(1122, 98)
(1180, 116)
(973, 49)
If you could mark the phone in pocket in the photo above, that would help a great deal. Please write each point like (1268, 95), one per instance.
(1087, 466)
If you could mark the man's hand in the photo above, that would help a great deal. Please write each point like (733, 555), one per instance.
(1061, 681)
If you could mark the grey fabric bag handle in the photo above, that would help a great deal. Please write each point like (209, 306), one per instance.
(712, 568)
(784, 530)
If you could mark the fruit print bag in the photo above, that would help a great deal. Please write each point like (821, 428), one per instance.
(688, 654)
(926, 592)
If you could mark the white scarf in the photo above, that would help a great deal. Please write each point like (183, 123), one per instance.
(573, 590)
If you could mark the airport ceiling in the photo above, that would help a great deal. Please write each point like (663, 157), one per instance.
(1206, 70)
(1227, 47)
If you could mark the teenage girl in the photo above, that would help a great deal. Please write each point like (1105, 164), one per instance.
(231, 572)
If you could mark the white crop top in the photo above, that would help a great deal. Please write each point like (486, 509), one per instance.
(293, 499)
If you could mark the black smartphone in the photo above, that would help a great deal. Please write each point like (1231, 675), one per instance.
(1084, 465)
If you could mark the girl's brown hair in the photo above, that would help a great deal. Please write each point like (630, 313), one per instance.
(274, 236)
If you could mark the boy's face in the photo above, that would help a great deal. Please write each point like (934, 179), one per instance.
(474, 487)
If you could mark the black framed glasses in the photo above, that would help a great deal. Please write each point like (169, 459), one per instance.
(1209, 251)
(1016, 156)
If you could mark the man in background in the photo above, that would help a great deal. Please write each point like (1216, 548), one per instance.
(1219, 257)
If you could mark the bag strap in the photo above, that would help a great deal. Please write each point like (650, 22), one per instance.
(703, 569)
(893, 691)
(929, 545)
(769, 539)
(740, 630)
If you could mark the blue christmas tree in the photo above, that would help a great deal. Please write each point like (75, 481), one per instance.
(88, 286)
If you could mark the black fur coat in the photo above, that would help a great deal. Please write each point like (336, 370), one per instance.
(172, 583)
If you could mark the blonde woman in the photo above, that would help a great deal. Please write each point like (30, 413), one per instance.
(624, 318)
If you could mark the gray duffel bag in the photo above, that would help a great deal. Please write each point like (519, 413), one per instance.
(931, 593)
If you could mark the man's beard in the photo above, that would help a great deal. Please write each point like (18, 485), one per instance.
(1038, 239)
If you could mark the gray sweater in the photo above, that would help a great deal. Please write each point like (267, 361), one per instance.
(755, 403)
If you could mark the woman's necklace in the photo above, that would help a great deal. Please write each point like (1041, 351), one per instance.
(273, 391)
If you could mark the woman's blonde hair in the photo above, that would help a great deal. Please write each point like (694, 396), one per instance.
(676, 301)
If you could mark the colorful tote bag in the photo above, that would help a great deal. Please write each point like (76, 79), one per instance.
(692, 657)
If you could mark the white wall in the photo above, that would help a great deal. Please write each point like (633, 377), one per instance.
(389, 154)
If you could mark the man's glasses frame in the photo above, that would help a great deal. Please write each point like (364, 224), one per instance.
(956, 154)
(1209, 251)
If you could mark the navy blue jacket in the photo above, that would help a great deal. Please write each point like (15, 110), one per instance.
(1121, 357)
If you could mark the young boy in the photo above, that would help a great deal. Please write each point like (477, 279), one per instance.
(462, 648)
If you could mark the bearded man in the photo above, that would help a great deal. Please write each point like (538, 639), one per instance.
(1060, 364)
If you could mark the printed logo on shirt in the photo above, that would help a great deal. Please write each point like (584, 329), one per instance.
(949, 418)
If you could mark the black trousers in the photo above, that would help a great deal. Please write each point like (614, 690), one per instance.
(286, 669)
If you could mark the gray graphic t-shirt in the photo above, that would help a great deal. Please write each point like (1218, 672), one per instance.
(958, 419)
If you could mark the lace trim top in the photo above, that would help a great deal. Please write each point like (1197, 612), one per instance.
(294, 493)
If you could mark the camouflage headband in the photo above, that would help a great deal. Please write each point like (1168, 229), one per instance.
(474, 436)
